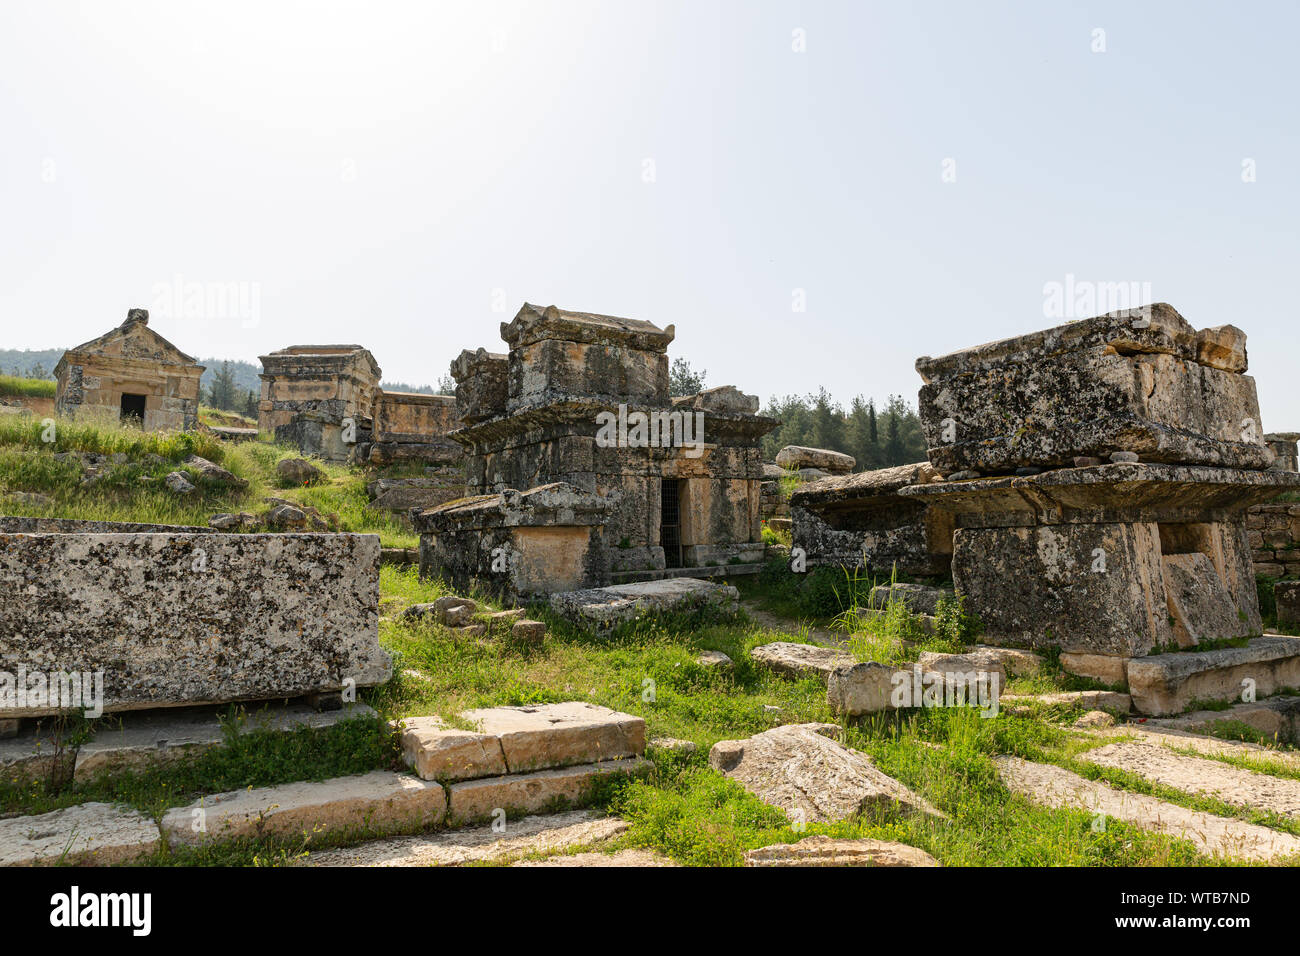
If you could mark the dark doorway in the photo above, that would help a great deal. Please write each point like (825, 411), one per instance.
(133, 407)
(670, 521)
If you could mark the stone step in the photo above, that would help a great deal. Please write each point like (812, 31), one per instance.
(544, 833)
(379, 801)
(1056, 788)
(87, 834)
(520, 739)
(1276, 717)
(1167, 684)
(1210, 778)
(138, 739)
(663, 574)
(1185, 740)
(540, 791)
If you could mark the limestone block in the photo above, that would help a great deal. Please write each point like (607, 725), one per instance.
(379, 801)
(813, 778)
(1143, 382)
(193, 618)
(542, 790)
(800, 660)
(1168, 683)
(438, 752)
(85, 834)
(832, 462)
(539, 736)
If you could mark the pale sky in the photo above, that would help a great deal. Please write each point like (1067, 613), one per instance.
(406, 175)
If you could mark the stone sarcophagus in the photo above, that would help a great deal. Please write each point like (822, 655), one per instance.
(863, 521)
(177, 618)
(1141, 381)
(517, 544)
(1098, 476)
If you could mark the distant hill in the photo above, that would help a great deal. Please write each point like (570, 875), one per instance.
(29, 363)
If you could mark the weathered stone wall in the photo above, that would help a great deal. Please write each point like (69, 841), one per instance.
(1274, 534)
(179, 618)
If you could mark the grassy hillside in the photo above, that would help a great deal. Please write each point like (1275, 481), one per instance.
(13, 386)
(127, 485)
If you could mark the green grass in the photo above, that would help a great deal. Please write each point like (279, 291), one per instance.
(132, 490)
(11, 386)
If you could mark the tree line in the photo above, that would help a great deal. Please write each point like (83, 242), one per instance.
(876, 438)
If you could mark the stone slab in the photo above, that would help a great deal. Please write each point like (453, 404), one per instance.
(632, 857)
(379, 801)
(542, 833)
(1167, 684)
(173, 619)
(605, 607)
(821, 850)
(1276, 717)
(1054, 787)
(540, 736)
(542, 790)
(809, 776)
(1210, 778)
(85, 834)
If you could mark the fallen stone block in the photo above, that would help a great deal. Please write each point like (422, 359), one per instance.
(520, 793)
(711, 659)
(1051, 786)
(1167, 684)
(605, 607)
(800, 660)
(797, 456)
(813, 778)
(973, 662)
(619, 858)
(298, 471)
(821, 850)
(918, 598)
(172, 619)
(539, 736)
(861, 688)
(1016, 662)
(210, 471)
(528, 632)
(379, 801)
(85, 834)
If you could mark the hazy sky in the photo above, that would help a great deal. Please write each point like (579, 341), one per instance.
(813, 193)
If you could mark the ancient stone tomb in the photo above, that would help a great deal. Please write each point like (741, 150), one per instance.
(1098, 478)
(130, 373)
(327, 401)
(580, 404)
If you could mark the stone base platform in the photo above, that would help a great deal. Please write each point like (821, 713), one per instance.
(1166, 684)
(140, 738)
